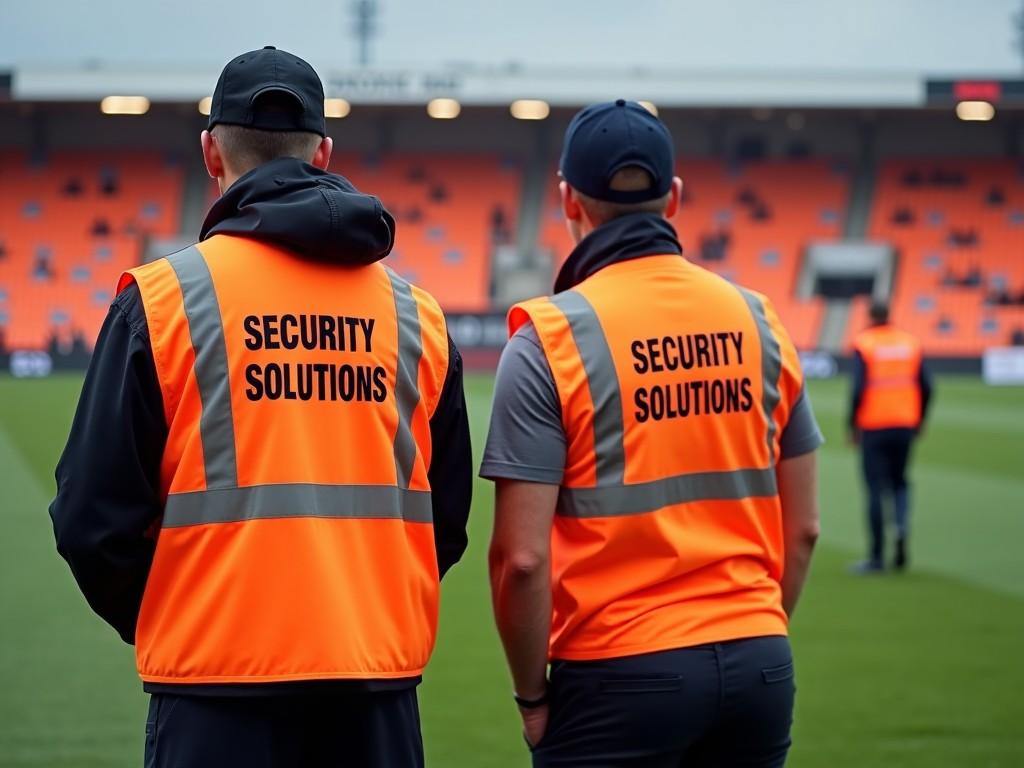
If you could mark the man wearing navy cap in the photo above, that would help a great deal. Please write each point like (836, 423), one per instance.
(653, 450)
(243, 496)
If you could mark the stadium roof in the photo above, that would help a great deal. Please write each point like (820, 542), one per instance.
(496, 86)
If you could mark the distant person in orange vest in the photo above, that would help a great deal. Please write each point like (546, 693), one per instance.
(269, 469)
(654, 453)
(891, 392)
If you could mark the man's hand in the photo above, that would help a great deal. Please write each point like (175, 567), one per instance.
(853, 437)
(535, 723)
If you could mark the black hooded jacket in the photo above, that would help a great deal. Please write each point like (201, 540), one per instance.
(108, 479)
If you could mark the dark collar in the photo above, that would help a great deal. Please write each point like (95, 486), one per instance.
(621, 239)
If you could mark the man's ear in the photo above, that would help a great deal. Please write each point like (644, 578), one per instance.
(322, 156)
(571, 208)
(212, 156)
(674, 196)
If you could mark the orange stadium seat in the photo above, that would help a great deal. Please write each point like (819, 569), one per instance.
(68, 227)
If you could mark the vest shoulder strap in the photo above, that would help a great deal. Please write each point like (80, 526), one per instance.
(421, 316)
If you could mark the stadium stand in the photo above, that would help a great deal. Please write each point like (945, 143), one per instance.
(451, 209)
(70, 223)
(958, 226)
(749, 222)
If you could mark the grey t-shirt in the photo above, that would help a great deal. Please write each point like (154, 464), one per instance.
(526, 440)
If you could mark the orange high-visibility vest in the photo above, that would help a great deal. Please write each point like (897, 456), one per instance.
(892, 393)
(675, 386)
(297, 539)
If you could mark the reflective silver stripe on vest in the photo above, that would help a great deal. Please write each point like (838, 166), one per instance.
(291, 500)
(771, 365)
(639, 498)
(609, 433)
(216, 424)
(407, 392)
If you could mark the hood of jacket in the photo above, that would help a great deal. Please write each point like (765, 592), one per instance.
(316, 214)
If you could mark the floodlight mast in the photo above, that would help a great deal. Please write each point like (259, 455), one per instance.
(1018, 26)
(365, 27)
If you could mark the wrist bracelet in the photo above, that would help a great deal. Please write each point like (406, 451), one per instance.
(531, 703)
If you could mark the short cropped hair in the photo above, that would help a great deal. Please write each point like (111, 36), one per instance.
(247, 148)
(879, 313)
(632, 178)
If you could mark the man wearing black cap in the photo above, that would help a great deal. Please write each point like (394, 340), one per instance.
(248, 493)
(653, 450)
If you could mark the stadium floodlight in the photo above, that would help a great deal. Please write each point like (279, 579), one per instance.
(975, 110)
(529, 109)
(124, 105)
(204, 105)
(649, 106)
(443, 109)
(336, 108)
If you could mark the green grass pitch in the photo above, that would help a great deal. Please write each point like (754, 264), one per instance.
(923, 669)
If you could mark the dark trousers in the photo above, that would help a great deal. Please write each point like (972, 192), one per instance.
(885, 453)
(363, 730)
(710, 706)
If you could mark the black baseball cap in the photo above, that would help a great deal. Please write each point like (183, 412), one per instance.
(247, 77)
(604, 138)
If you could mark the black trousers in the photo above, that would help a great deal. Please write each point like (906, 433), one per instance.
(711, 706)
(885, 454)
(363, 730)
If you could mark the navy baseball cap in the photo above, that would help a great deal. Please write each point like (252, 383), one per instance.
(605, 138)
(248, 77)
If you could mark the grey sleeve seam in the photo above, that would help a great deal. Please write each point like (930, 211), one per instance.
(505, 470)
(518, 464)
(800, 447)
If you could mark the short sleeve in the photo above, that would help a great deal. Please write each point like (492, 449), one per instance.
(801, 434)
(526, 440)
